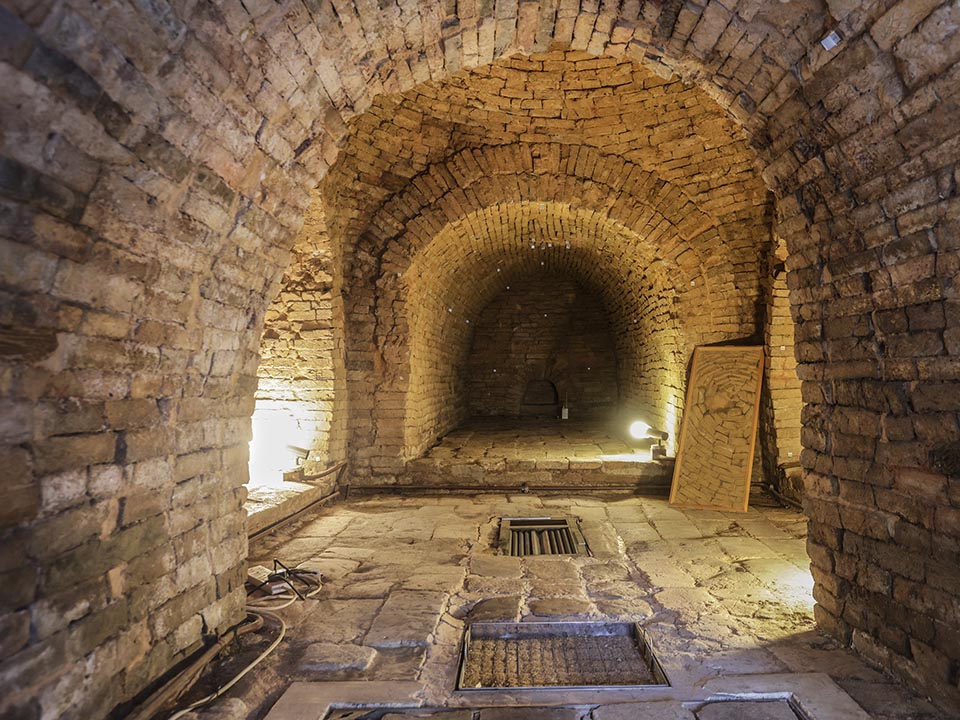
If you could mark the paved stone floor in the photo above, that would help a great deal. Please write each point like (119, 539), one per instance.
(720, 594)
(264, 495)
(536, 439)
(539, 453)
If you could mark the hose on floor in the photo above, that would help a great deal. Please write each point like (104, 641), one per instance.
(258, 610)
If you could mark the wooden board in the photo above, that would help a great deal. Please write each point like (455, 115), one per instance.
(719, 430)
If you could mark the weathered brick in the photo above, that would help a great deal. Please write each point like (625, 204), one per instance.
(21, 491)
(61, 453)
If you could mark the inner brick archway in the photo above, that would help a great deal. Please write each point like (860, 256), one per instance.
(157, 166)
(468, 262)
(663, 260)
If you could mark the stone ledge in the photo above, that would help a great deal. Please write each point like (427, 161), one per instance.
(648, 477)
(299, 497)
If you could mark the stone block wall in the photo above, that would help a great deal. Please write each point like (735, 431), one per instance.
(874, 191)
(637, 220)
(428, 308)
(141, 231)
(861, 264)
(543, 329)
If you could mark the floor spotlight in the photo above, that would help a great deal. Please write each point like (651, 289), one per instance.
(640, 430)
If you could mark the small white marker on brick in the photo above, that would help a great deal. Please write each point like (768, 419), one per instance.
(831, 40)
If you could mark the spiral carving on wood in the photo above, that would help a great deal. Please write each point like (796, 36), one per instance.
(715, 457)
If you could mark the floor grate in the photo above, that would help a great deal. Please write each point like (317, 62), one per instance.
(521, 537)
(555, 654)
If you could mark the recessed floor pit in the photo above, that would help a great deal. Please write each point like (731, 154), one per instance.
(749, 710)
(533, 655)
(522, 537)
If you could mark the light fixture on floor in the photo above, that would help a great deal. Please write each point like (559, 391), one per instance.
(299, 456)
(640, 430)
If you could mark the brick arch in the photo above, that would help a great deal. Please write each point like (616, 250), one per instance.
(622, 191)
(426, 43)
(431, 308)
(541, 105)
(158, 179)
(695, 251)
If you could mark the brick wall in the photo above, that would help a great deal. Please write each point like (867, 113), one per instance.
(676, 215)
(781, 403)
(301, 399)
(543, 329)
(652, 284)
(143, 227)
(411, 342)
(872, 194)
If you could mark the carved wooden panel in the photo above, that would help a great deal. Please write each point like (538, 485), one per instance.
(717, 438)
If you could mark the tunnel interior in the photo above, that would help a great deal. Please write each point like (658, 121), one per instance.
(540, 347)
(312, 219)
(451, 196)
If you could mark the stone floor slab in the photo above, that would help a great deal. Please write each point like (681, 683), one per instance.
(407, 618)
(559, 607)
(331, 657)
(504, 609)
(747, 710)
(498, 566)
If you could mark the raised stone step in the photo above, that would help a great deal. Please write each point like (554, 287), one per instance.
(646, 477)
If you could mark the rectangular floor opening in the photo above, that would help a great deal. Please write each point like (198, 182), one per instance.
(521, 537)
(557, 654)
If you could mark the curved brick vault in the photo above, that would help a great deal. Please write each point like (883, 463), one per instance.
(158, 163)
(500, 249)
(652, 230)
(648, 276)
(609, 106)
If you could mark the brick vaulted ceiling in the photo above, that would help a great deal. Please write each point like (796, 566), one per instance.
(543, 103)
(612, 104)
(639, 186)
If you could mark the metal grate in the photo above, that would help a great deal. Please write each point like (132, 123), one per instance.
(522, 537)
(557, 654)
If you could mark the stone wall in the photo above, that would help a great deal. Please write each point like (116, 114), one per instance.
(874, 180)
(544, 329)
(782, 402)
(420, 319)
(137, 247)
(640, 221)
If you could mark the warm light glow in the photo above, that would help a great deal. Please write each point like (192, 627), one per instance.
(639, 429)
(274, 428)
